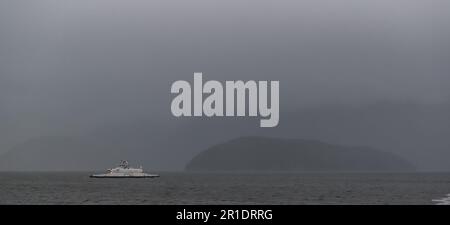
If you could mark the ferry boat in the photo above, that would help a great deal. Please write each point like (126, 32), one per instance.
(124, 171)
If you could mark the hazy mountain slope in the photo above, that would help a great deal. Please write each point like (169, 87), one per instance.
(271, 154)
(59, 153)
(418, 133)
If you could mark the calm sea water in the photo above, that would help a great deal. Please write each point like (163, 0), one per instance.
(195, 188)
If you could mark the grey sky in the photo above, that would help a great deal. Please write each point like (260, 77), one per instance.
(71, 67)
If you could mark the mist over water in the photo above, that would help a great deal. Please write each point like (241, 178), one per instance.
(91, 79)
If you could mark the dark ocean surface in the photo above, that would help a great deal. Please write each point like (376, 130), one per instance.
(226, 188)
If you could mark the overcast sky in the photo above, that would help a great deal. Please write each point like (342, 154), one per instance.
(71, 66)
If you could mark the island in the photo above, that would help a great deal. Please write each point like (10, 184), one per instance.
(294, 155)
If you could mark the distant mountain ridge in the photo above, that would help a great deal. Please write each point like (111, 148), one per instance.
(416, 132)
(275, 154)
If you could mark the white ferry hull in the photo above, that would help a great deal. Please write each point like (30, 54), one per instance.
(123, 176)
